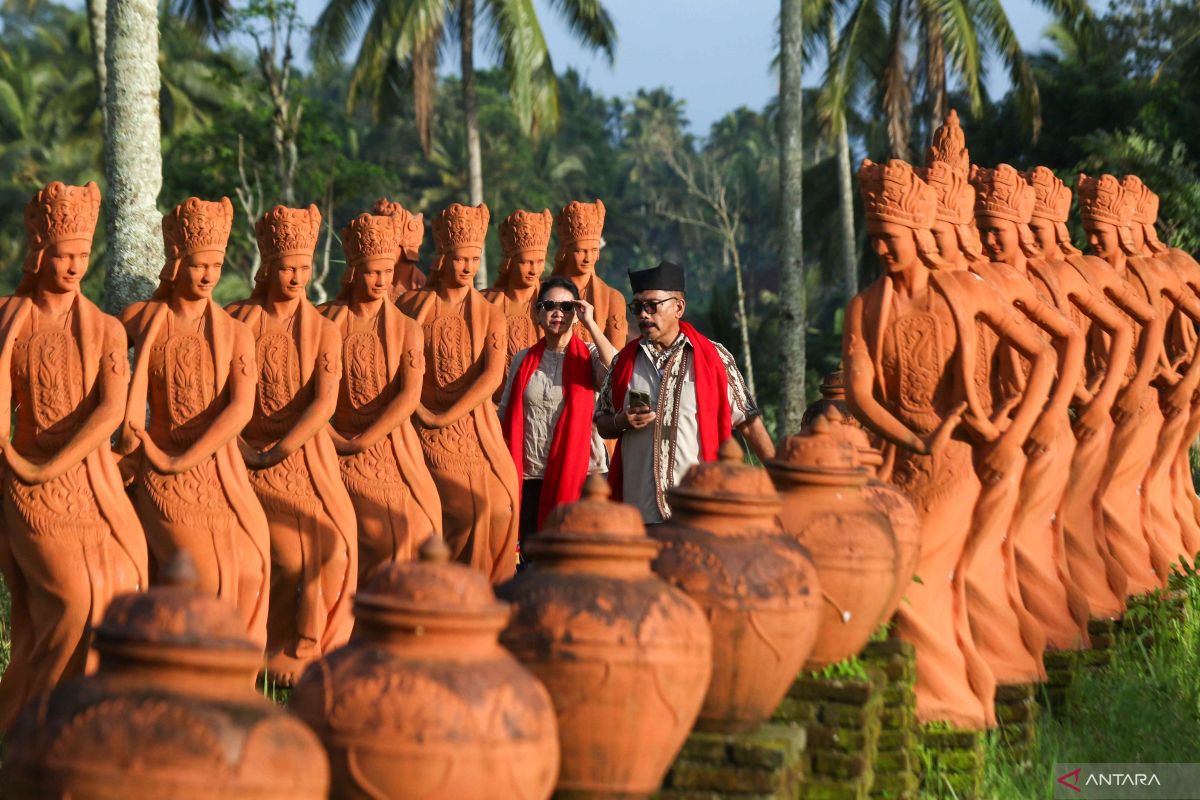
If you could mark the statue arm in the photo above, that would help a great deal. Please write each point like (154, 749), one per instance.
(1120, 337)
(112, 383)
(489, 380)
(236, 413)
(408, 393)
(1018, 333)
(1068, 344)
(1149, 346)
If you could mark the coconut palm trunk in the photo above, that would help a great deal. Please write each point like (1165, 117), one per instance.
(793, 320)
(96, 12)
(471, 120)
(845, 182)
(132, 152)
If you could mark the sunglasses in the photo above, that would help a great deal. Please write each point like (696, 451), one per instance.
(649, 306)
(565, 306)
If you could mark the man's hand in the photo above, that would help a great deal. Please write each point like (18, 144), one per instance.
(636, 418)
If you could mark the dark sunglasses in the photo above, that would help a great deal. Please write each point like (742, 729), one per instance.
(649, 306)
(565, 306)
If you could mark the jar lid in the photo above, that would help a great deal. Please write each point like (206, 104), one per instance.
(728, 484)
(174, 614)
(819, 451)
(595, 525)
(431, 587)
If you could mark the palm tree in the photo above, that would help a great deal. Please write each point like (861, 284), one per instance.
(402, 40)
(793, 317)
(899, 47)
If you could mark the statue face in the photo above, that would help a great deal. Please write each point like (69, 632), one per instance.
(526, 268)
(198, 274)
(1000, 238)
(1104, 240)
(556, 320)
(372, 279)
(582, 256)
(894, 245)
(1046, 235)
(63, 265)
(460, 266)
(947, 241)
(289, 277)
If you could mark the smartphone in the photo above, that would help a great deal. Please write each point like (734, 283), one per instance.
(637, 398)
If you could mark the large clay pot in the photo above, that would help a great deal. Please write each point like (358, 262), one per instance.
(725, 548)
(423, 702)
(822, 479)
(626, 657)
(172, 712)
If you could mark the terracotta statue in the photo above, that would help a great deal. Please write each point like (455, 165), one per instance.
(1091, 287)
(194, 368)
(71, 540)
(1107, 214)
(1177, 535)
(580, 226)
(293, 466)
(410, 232)
(948, 170)
(909, 355)
(457, 423)
(524, 237)
(383, 360)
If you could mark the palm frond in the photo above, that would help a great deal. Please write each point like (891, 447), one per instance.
(514, 36)
(994, 25)
(590, 22)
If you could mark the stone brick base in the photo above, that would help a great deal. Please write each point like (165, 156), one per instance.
(1016, 712)
(896, 759)
(1060, 674)
(954, 759)
(843, 719)
(769, 763)
(1103, 634)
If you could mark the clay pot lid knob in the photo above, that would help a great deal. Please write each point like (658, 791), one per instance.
(731, 451)
(180, 572)
(435, 551)
(596, 488)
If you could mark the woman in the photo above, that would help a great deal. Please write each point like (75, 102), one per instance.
(194, 371)
(548, 403)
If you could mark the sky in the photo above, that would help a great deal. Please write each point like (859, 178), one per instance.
(714, 54)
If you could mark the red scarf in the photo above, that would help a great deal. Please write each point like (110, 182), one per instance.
(713, 415)
(571, 445)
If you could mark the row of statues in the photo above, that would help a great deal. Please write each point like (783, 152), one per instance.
(290, 451)
(1036, 403)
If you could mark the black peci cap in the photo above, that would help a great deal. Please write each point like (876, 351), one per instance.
(666, 277)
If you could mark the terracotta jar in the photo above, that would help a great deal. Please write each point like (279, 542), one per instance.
(626, 657)
(172, 712)
(725, 548)
(821, 478)
(423, 702)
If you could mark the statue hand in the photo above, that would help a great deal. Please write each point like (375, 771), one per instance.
(1177, 401)
(1091, 420)
(1044, 432)
(1128, 405)
(933, 443)
(344, 446)
(158, 459)
(1000, 460)
(255, 459)
(25, 470)
(429, 419)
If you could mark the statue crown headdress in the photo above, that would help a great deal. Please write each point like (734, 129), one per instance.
(1002, 192)
(893, 192)
(526, 230)
(1103, 199)
(60, 212)
(955, 194)
(461, 226)
(284, 231)
(410, 228)
(949, 147)
(369, 235)
(196, 226)
(580, 221)
(1143, 200)
(1052, 197)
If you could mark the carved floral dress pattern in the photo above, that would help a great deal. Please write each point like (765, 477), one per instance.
(374, 472)
(455, 447)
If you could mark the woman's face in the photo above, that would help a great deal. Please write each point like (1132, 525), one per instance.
(555, 320)
(198, 274)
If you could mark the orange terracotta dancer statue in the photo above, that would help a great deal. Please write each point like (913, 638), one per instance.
(909, 352)
(1170, 502)
(286, 445)
(71, 540)
(410, 232)
(524, 237)
(580, 227)
(383, 360)
(457, 423)
(194, 368)
(1005, 202)
(1091, 565)
(948, 171)
(1106, 210)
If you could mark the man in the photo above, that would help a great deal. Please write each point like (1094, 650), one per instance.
(672, 391)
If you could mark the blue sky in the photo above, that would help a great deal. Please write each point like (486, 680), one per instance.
(715, 54)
